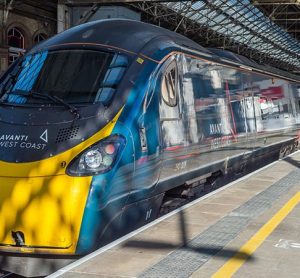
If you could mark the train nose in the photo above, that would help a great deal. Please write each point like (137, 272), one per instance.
(40, 205)
(42, 214)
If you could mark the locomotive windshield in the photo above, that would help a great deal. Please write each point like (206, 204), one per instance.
(74, 76)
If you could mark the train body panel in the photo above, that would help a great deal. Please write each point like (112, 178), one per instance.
(42, 215)
(124, 113)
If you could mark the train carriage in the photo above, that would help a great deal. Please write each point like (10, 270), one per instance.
(102, 123)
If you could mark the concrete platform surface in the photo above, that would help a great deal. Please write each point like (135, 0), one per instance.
(249, 228)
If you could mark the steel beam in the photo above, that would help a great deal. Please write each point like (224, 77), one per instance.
(89, 2)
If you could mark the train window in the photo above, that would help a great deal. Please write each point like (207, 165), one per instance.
(105, 95)
(112, 78)
(169, 84)
(75, 76)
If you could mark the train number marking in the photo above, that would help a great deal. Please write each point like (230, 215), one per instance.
(180, 165)
(148, 214)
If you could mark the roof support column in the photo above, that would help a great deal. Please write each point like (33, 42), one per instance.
(63, 18)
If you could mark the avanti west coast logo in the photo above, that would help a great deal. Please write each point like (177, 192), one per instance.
(44, 136)
(23, 141)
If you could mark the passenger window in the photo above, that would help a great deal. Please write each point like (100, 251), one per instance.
(169, 83)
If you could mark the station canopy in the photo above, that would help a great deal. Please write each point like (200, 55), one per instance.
(246, 27)
(235, 25)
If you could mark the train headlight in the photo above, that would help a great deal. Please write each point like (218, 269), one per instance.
(98, 158)
(92, 159)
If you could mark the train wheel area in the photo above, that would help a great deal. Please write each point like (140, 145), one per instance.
(248, 228)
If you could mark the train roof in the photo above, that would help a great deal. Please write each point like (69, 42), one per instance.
(228, 55)
(134, 36)
(122, 33)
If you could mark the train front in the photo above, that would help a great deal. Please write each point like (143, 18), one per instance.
(58, 117)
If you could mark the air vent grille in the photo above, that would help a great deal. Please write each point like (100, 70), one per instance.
(65, 134)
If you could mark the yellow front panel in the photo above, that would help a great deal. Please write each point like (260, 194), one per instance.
(40, 200)
(47, 210)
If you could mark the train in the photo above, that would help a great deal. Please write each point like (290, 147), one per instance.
(102, 124)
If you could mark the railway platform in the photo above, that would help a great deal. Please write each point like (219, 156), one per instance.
(248, 228)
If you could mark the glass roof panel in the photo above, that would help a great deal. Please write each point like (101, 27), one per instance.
(244, 23)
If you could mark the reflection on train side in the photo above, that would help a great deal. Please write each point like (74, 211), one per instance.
(220, 112)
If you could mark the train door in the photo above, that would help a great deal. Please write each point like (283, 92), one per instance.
(147, 144)
(173, 136)
(161, 139)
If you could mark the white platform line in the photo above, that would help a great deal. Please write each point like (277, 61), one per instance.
(132, 234)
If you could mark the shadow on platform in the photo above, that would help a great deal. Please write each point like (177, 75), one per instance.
(218, 251)
(292, 161)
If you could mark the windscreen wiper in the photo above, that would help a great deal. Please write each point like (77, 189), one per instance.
(54, 99)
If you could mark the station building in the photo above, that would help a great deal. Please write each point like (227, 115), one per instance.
(23, 24)
(26, 23)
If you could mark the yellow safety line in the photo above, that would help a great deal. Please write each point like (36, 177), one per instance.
(232, 265)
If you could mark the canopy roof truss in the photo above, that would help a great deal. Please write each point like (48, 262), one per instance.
(235, 25)
(285, 13)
